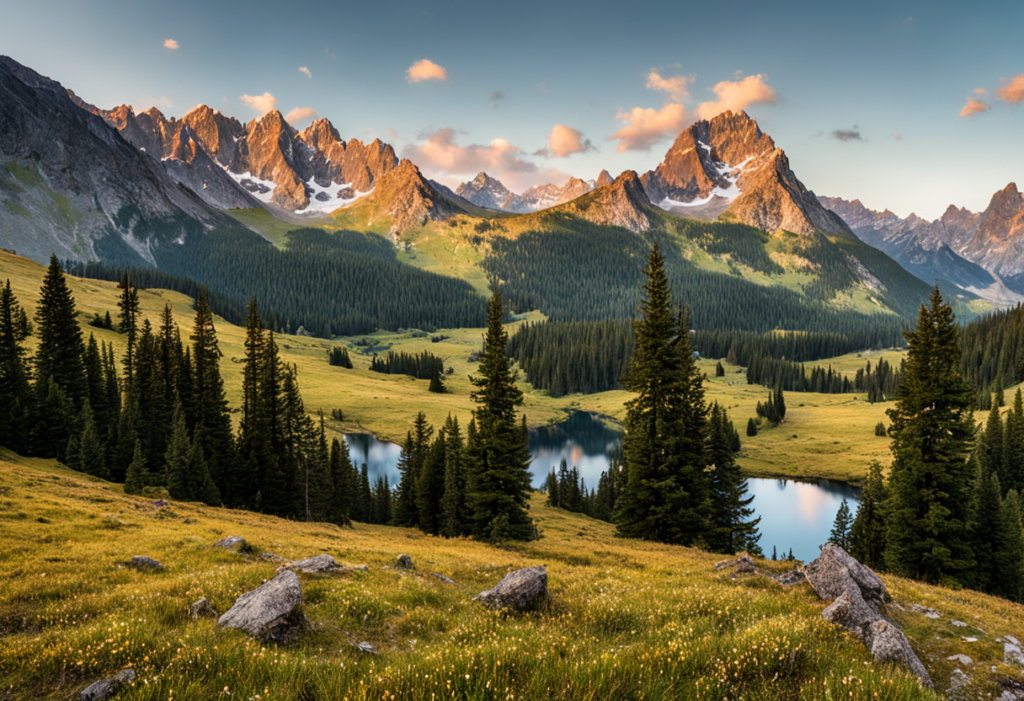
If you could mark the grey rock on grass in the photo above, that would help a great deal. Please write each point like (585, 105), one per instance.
(202, 609)
(230, 542)
(271, 612)
(141, 562)
(106, 688)
(519, 590)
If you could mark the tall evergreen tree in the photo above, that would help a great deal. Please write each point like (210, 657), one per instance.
(868, 533)
(90, 458)
(136, 478)
(733, 527)
(932, 430)
(15, 393)
(430, 493)
(176, 469)
(454, 499)
(59, 354)
(129, 326)
(498, 479)
(365, 500)
(986, 531)
(840, 533)
(345, 481)
(405, 500)
(665, 497)
(319, 478)
(1013, 446)
(1013, 564)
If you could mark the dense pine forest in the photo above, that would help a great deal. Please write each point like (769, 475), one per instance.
(993, 349)
(329, 284)
(570, 357)
(879, 381)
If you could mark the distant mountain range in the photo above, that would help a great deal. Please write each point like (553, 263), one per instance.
(980, 252)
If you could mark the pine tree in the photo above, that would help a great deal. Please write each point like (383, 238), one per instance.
(990, 444)
(366, 508)
(840, 534)
(129, 326)
(733, 527)
(986, 531)
(932, 429)
(15, 394)
(320, 484)
(665, 497)
(719, 369)
(406, 500)
(177, 456)
(552, 489)
(200, 485)
(91, 459)
(59, 354)
(498, 481)
(430, 491)
(436, 383)
(54, 434)
(868, 533)
(135, 481)
(1013, 446)
(751, 427)
(454, 499)
(344, 478)
(255, 453)
(1013, 562)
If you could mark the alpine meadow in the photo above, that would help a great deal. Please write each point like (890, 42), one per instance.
(448, 352)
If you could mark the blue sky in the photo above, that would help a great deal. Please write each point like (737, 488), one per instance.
(893, 77)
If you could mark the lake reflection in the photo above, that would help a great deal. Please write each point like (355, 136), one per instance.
(795, 515)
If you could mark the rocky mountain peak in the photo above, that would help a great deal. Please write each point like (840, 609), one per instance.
(485, 191)
(623, 203)
(604, 179)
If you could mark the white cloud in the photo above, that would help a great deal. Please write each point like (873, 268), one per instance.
(301, 114)
(304, 70)
(260, 103)
(171, 44)
(677, 86)
(425, 69)
(564, 141)
(647, 126)
(736, 95)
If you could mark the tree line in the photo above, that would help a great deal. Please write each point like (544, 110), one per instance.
(950, 510)
(879, 381)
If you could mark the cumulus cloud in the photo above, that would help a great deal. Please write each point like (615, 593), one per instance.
(974, 107)
(171, 44)
(425, 69)
(301, 114)
(677, 86)
(260, 103)
(647, 126)
(564, 141)
(1011, 91)
(847, 134)
(304, 70)
(736, 95)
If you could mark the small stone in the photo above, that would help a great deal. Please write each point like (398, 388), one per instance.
(271, 557)
(105, 688)
(271, 612)
(404, 562)
(957, 682)
(932, 615)
(202, 609)
(961, 659)
(318, 564)
(229, 542)
(969, 640)
(141, 562)
(790, 578)
(1012, 653)
(441, 577)
(520, 590)
(958, 624)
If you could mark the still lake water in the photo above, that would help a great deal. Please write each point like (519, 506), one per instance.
(795, 515)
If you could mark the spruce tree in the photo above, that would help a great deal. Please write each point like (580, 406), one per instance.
(366, 509)
(1013, 562)
(436, 383)
(54, 434)
(990, 444)
(200, 485)
(665, 497)
(840, 533)
(733, 527)
(136, 481)
(932, 429)
(1013, 446)
(552, 489)
(430, 491)
(176, 458)
(320, 482)
(498, 480)
(751, 427)
(867, 537)
(59, 354)
(454, 499)
(986, 531)
(15, 393)
(344, 479)
(406, 499)
(129, 326)
(91, 459)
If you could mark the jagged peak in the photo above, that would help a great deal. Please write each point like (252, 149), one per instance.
(603, 179)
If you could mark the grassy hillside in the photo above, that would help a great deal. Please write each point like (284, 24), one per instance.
(828, 436)
(626, 620)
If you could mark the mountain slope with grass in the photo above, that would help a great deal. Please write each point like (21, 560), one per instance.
(624, 619)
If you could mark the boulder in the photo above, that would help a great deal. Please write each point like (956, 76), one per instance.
(958, 681)
(404, 562)
(318, 564)
(271, 612)
(105, 688)
(835, 571)
(202, 609)
(230, 542)
(1012, 653)
(141, 562)
(857, 597)
(519, 590)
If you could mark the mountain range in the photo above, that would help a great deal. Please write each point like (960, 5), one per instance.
(120, 186)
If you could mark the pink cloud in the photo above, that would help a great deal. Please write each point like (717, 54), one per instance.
(260, 103)
(677, 86)
(305, 71)
(564, 141)
(1011, 91)
(301, 114)
(974, 107)
(171, 44)
(425, 69)
(736, 95)
(647, 126)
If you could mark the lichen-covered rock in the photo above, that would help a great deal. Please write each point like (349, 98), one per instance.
(230, 542)
(202, 609)
(888, 644)
(271, 612)
(519, 590)
(404, 562)
(141, 562)
(835, 571)
(318, 564)
(106, 688)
